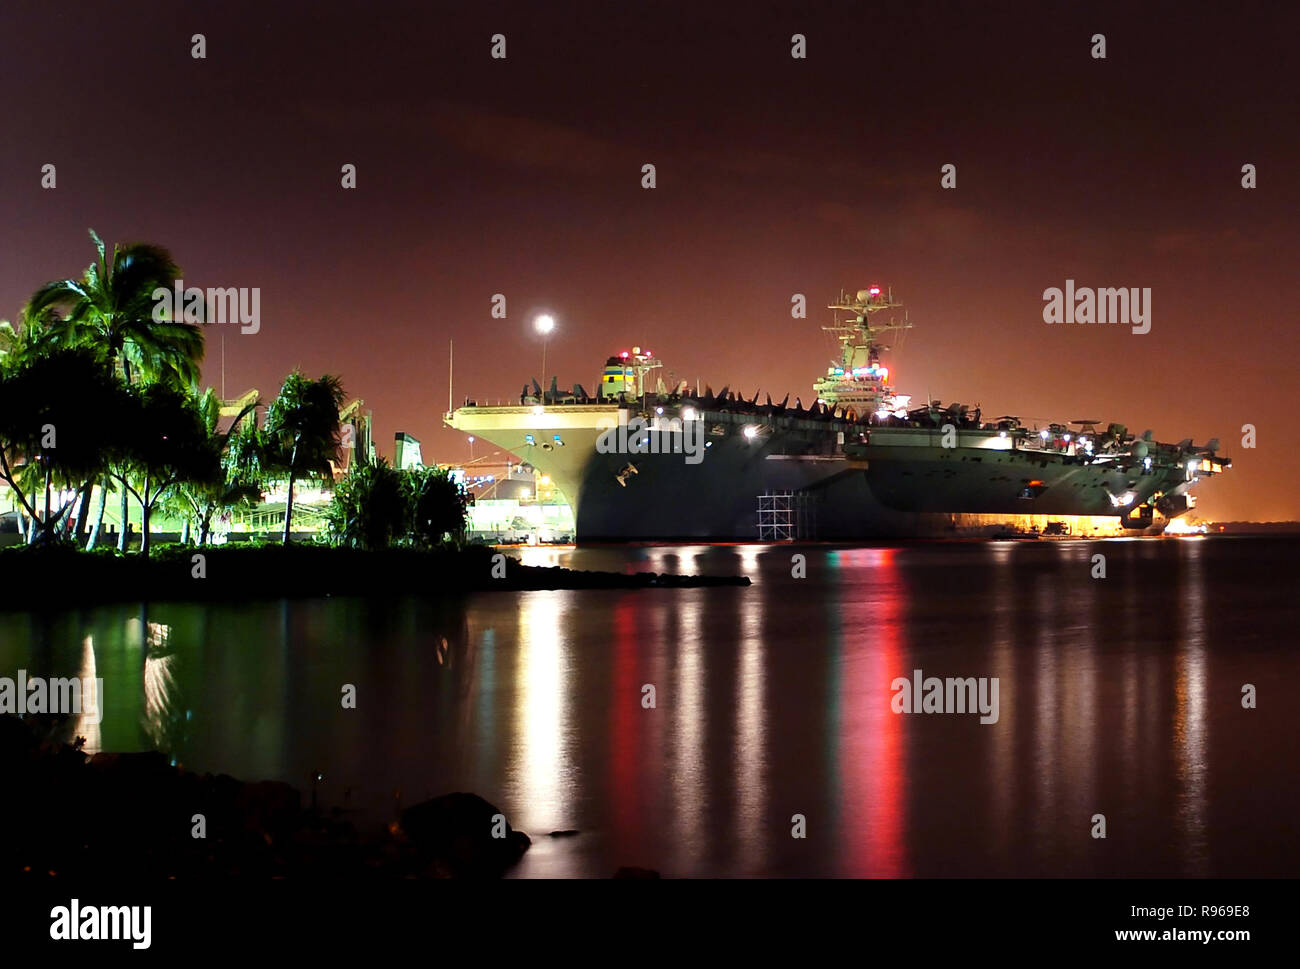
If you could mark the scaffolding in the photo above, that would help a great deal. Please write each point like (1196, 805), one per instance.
(784, 516)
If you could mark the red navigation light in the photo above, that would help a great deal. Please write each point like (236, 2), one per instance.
(623, 354)
(875, 290)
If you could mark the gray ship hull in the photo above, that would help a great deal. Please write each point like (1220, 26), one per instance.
(901, 484)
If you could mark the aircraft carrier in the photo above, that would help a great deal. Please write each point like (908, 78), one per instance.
(672, 463)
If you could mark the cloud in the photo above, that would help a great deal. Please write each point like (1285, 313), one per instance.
(530, 143)
(1203, 242)
(493, 136)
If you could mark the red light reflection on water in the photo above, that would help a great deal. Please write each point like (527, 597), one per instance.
(625, 726)
(871, 734)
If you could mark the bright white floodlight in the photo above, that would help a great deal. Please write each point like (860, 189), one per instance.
(544, 324)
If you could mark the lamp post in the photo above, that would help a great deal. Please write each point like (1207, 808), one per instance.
(471, 449)
(544, 324)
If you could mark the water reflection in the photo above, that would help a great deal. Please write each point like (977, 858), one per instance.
(1190, 726)
(160, 719)
(538, 768)
(871, 744)
(628, 784)
(750, 738)
(86, 725)
(770, 701)
(689, 769)
(1003, 656)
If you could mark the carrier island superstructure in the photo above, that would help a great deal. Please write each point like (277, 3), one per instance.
(638, 463)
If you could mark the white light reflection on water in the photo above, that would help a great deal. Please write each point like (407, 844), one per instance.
(1076, 618)
(87, 722)
(751, 724)
(539, 772)
(158, 684)
(545, 556)
(690, 725)
(1048, 684)
(1004, 666)
(1189, 717)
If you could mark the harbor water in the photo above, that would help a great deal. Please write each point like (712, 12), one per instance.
(756, 731)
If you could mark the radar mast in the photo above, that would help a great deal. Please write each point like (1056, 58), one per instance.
(860, 383)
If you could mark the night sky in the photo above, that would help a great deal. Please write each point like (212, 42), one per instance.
(775, 176)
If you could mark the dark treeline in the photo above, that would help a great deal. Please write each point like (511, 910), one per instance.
(99, 394)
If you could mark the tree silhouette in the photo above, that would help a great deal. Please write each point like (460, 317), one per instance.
(302, 433)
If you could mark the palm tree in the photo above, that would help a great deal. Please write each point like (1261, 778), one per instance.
(57, 411)
(112, 306)
(302, 431)
(19, 346)
(11, 339)
(32, 337)
(236, 484)
(167, 444)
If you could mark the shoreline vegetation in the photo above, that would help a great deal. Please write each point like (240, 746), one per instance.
(35, 577)
(100, 394)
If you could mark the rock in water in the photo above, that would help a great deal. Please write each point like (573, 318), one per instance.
(462, 834)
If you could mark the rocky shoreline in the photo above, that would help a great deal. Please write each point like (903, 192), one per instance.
(76, 816)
